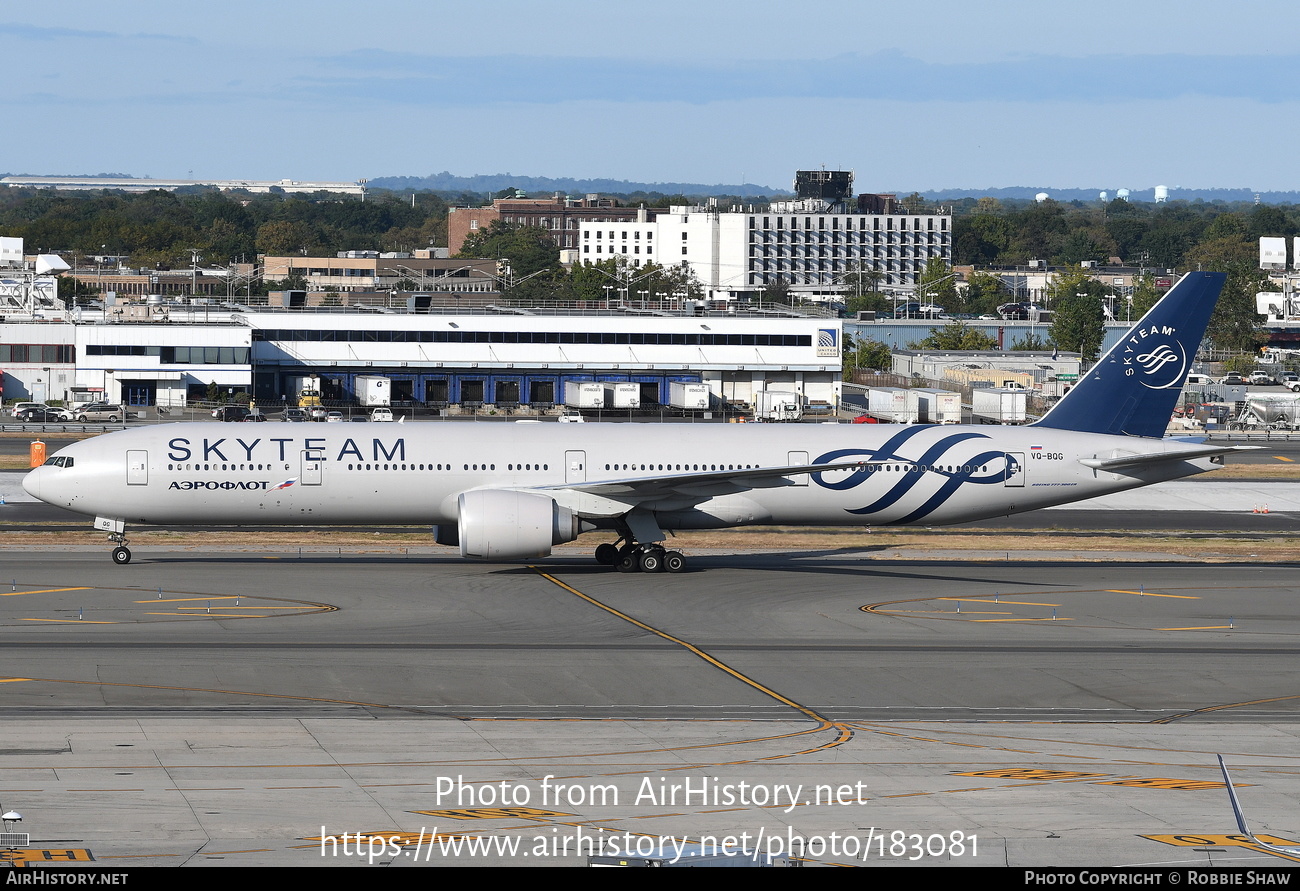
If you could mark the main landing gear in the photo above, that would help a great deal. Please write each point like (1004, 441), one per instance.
(633, 557)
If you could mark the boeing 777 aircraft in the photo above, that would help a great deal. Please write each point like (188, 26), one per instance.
(509, 492)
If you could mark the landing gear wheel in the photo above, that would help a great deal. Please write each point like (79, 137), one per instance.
(628, 563)
(607, 554)
(674, 561)
(121, 556)
(652, 560)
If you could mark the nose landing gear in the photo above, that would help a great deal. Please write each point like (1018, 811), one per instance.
(121, 553)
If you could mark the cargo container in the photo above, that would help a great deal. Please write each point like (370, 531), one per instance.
(372, 391)
(584, 394)
(897, 405)
(937, 406)
(997, 405)
(688, 396)
(621, 395)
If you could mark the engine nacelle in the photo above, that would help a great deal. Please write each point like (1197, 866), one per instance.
(505, 525)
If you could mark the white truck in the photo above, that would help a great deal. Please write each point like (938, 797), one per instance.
(894, 405)
(584, 394)
(688, 396)
(623, 395)
(999, 405)
(372, 391)
(937, 406)
(777, 405)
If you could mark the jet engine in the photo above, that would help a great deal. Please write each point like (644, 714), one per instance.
(506, 525)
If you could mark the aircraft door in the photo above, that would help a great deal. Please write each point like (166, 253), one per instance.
(575, 467)
(312, 464)
(1015, 473)
(137, 467)
(793, 458)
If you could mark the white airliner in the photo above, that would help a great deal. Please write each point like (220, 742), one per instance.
(1286, 850)
(509, 492)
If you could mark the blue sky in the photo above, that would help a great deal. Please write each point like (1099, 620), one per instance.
(937, 94)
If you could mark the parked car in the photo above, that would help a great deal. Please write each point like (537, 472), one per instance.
(44, 414)
(1232, 377)
(231, 413)
(20, 407)
(1259, 378)
(334, 417)
(101, 411)
(317, 412)
(254, 417)
(295, 415)
(917, 311)
(382, 414)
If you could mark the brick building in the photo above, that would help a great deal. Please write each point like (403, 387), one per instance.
(559, 214)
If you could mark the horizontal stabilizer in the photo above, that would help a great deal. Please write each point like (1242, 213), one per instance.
(1125, 461)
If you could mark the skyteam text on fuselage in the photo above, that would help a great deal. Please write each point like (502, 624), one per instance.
(509, 492)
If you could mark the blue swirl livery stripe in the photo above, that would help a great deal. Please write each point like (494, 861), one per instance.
(889, 451)
(950, 486)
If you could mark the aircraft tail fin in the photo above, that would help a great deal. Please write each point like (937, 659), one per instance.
(1132, 390)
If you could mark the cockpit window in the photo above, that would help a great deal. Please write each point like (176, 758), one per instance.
(59, 461)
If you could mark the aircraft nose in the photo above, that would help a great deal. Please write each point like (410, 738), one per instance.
(32, 483)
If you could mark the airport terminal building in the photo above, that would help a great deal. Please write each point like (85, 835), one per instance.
(499, 359)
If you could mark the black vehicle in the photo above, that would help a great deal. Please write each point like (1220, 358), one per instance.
(1017, 311)
(231, 413)
(42, 415)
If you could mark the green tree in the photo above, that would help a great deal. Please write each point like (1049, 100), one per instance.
(1235, 324)
(776, 291)
(588, 281)
(528, 249)
(984, 293)
(73, 291)
(955, 336)
(866, 353)
(1030, 342)
(1145, 296)
(938, 285)
(1078, 318)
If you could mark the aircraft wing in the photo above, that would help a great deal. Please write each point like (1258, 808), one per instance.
(1122, 462)
(1289, 850)
(678, 490)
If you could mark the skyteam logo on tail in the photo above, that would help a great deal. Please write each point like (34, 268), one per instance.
(1155, 357)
